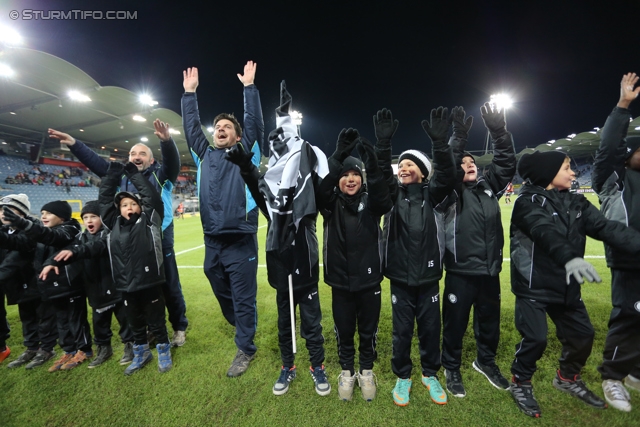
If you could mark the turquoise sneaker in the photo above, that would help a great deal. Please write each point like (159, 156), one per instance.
(435, 390)
(401, 392)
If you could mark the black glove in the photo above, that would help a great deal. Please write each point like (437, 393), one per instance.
(385, 127)
(130, 169)
(367, 155)
(237, 155)
(115, 169)
(346, 143)
(438, 128)
(461, 125)
(494, 120)
(15, 220)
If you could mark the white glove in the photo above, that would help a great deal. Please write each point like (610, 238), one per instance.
(580, 269)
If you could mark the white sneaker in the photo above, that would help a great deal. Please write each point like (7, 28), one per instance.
(346, 383)
(178, 339)
(632, 382)
(367, 383)
(616, 395)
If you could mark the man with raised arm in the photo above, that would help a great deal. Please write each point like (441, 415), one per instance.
(163, 178)
(228, 211)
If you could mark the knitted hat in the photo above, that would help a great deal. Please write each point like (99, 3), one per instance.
(59, 208)
(539, 168)
(633, 143)
(126, 194)
(352, 164)
(91, 207)
(420, 159)
(468, 154)
(18, 201)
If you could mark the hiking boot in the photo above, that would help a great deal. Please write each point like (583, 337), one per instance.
(401, 391)
(282, 384)
(23, 359)
(616, 395)
(104, 352)
(576, 387)
(435, 389)
(346, 382)
(323, 388)
(522, 393)
(367, 383)
(493, 374)
(77, 359)
(632, 382)
(5, 353)
(141, 356)
(164, 357)
(178, 339)
(454, 383)
(240, 364)
(41, 357)
(127, 356)
(58, 363)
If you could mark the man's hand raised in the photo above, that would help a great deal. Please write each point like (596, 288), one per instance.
(627, 92)
(249, 73)
(162, 130)
(190, 82)
(64, 138)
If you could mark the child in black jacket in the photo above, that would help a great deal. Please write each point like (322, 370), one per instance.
(135, 250)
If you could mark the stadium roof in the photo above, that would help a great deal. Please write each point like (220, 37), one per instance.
(36, 97)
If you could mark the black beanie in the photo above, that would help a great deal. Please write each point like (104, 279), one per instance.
(59, 208)
(468, 154)
(540, 167)
(633, 143)
(91, 207)
(128, 195)
(352, 164)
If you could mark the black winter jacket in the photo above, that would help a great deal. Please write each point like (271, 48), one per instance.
(473, 221)
(548, 229)
(617, 186)
(17, 275)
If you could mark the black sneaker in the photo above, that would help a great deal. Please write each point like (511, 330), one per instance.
(576, 387)
(41, 357)
(102, 355)
(493, 374)
(127, 356)
(23, 359)
(522, 393)
(454, 383)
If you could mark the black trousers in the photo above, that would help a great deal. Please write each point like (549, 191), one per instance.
(39, 324)
(172, 290)
(145, 308)
(5, 329)
(411, 304)
(102, 325)
(461, 292)
(73, 328)
(310, 324)
(361, 309)
(573, 329)
(622, 345)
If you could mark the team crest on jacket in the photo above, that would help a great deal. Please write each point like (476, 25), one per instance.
(360, 207)
(393, 299)
(452, 298)
(488, 192)
(637, 305)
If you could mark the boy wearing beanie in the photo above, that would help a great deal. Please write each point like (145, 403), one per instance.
(135, 251)
(616, 180)
(411, 247)
(549, 226)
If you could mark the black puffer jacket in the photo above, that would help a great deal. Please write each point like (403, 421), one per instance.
(473, 221)
(548, 229)
(17, 276)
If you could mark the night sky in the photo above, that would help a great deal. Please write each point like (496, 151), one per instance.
(343, 61)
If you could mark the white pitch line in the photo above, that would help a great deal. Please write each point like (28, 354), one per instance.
(200, 247)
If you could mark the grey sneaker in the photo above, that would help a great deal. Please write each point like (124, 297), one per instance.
(41, 357)
(240, 364)
(616, 395)
(23, 359)
(367, 383)
(346, 382)
(576, 387)
(632, 382)
(127, 356)
(282, 384)
(103, 354)
(178, 339)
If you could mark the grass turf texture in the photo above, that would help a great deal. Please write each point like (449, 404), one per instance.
(197, 392)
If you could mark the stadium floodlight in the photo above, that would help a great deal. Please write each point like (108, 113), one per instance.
(210, 129)
(296, 117)
(6, 71)
(9, 36)
(77, 96)
(501, 100)
(147, 100)
(172, 131)
(551, 141)
(144, 139)
(573, 135)
(138, 118)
